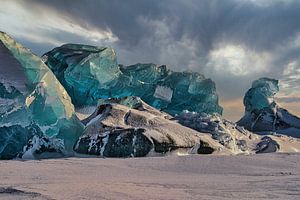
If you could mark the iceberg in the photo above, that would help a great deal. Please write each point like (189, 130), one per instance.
(31, 98)
(90, 73)
(263, 115)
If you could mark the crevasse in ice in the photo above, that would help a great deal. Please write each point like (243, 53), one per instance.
(31, 98)
(89, 73)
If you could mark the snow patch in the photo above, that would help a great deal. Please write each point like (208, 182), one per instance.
(105, 141)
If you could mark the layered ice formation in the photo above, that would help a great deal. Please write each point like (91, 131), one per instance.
(32, 101)
(263, 115)
(89, 73)
(225, 132)
(234, 137)
(129, 127)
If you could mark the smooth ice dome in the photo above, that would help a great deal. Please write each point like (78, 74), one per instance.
(263, 115)
(89, 73)
(31, 98)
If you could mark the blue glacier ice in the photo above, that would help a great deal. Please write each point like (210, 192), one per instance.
(261, 94)
(84, 70)
(13, 138)
(31, 98)
(263, 115)
(89, 73)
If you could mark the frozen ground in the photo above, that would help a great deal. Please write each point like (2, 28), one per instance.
(265, 176)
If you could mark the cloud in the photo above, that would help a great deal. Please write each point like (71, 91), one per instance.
(233, 42)
(288, 99)
(238, 60)
(290, 84)
(45, 25)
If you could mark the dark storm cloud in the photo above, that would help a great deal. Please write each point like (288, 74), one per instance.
(231, 41)
(119, 16)
(205, 21)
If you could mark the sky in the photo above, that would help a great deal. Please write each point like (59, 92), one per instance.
(233, 42)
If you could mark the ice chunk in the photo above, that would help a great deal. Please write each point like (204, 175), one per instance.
(267, 145)
(14, 137)
(225, 132)
(31, 94)
(84, 71)
(261, 94)
(43, 147)
(236, 138)
(89, 73)
(117, 143)
(263, 115)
